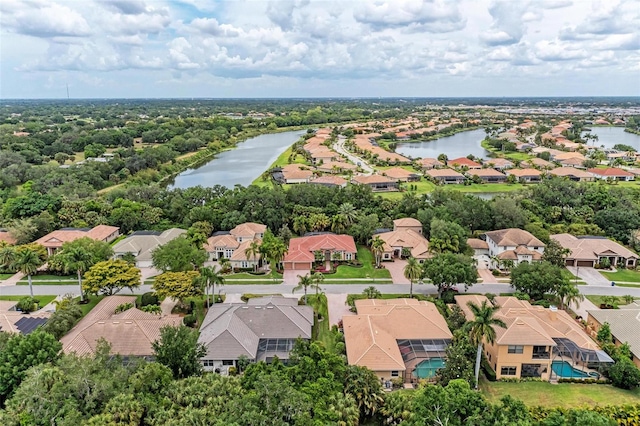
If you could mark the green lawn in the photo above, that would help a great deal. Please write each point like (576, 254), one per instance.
(5, 276)
(244, 276)
(366, 271)
(48, 277)
(598, 300)
(38, 282)
(487, 187)
(559, 395)
(93, 301)
(44, 300)
(623, 275)
(321, 329)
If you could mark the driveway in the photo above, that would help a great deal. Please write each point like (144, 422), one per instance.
(396, 268)
(338, 308)
(340, 149)
(585, 305)
(291, 277)
(590, 275)
(487, 276)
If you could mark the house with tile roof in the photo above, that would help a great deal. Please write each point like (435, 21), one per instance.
(328, 180)
(130, 333)
(260, 330)
(430, 163)
(499, 163)
(446, 176)
(612, 173)
(516, 245)
(336, 167)
(397, 338)
(530, 175)
(377, 183)
(293, 173)
(233, 245)
(142, 243)
(624, 324)
(538, 342)
(406, 235)
(464, 162)
(538, 163)
(303, 251)
(54, 240)
(401, 175)
(588, 250)
(488, 175)
(15, 321)
(573, 174)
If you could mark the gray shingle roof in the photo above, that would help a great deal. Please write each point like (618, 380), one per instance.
(624, 324)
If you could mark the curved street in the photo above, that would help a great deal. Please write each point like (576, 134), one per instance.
(340, 149)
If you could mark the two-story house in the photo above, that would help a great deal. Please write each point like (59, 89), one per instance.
(234, 245)
(515, 245)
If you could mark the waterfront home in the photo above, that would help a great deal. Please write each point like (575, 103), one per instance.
(446, 176)
(572, 173)
(430, 163)
(401, 175)
(130, 333)
(142, 243)
(526, 175)
(54, 240)
(296, 173)
(397, 338)
(488, 175)
(303, 251)
(538, 342)
(586, 250)
(499, 163)
(464, 162)
(377, 183)
(328, 180)
(260, 330)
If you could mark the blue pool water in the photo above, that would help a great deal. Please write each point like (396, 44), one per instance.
(428, 368)
(565, 370)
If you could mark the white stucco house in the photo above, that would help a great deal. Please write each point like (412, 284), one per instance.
(515, 245)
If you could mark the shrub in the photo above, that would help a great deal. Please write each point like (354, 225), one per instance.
(543, 302)
(489, 373)
(152, 309)
(624, 374)
(448, 295)
(27, 304)
(189, 320)
(123, 307)
(232, 371)
(149, 298)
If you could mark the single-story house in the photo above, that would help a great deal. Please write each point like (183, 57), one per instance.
(573, 174)
(516, 245)
(233, 245)
(377, 183)
(328, 180)
(14, 321)
(397, 338)
(499, 163)
(612, 173)
(430, 163)
(303, 251)
(589, 250)
(464, 162)
(538, 163)
(296, 173)
(488, 175)
(142, 243)
(130, 333)
(526, 175)
(323, 154)
(260, 330)
(572, 162)
(336, 167)
(446, 176)
(536, 340)
(624, 324)
(401, 175)
(54, 240)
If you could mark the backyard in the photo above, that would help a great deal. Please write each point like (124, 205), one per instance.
(559, 395)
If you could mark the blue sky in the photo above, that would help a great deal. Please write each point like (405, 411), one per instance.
(308, 48)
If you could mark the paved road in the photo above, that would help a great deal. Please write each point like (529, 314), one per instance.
(327, 288)
(590, 276)
(340, 149)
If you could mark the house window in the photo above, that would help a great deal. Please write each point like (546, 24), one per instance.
(207, 362)
(395, 373)
(227, 362)
(508, 371)
(244, 264)
(347, 256)
(514, 349)
(228, 253)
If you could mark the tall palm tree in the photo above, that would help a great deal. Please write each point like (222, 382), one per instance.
(568, 293)
(482, 327)
(78, 260)
(304, 282)
(276, 254)
(412, 272)
(317, 279)
(253, 251)
(377, 247)
(349, 212)
(211, 277)
(7, 255)
(27, 261)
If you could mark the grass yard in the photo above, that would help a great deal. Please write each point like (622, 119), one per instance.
(37, 282)
(487, 187)
(244, 276)
(93, 301)
(321, 330)
(623, 275)
(48, 277)
(598, 300)
(44, 300)
(559, 395)
(5, 276)
(366, 271)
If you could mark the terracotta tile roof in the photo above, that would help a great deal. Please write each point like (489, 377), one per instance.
(56, 238)
(590, 248)
(572, 172)
(406, 221)
(538, 162)
(524, 172)
(239, 253)
(514, 237)
(399, 173)
(406, 238)
(435, 173)
(9, 318)
(486, 173)
(464, 161)
(610, 172)
(339, 165)
(371, 179)
(371, 335)
(499, 162)
(248, 229)
(477, 244)
(329, 180)
(296, 171)
(432, 162)
(566, 155)
(130, 333)
(303, 248)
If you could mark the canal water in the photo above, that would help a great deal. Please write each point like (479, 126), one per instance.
(609, 136)
(241, 165)
(455, 146)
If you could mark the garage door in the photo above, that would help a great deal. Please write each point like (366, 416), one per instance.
(585, 263)
(297, 266)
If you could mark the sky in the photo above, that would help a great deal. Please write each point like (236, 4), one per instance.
(318, 48)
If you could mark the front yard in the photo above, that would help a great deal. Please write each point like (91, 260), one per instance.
(43, 300)
(559, 395)
(600, 300)
(623, 276)
(367, 270)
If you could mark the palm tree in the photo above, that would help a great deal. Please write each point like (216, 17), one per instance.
(317, 279)
(349, 212)
(303, 283)
(377, 247)
(371, 293)
(568, 293)
(211, 277)
(412, 272)
(27, 261)
(7, 255)
(78, 260)
(482, 327)
(253, 251)
(628, 299)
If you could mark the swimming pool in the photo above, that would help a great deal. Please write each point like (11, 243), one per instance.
(565, 370)
(428, 368)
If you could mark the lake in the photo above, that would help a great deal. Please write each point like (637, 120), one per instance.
(459, 145)
(609, 136)
(241, 165)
